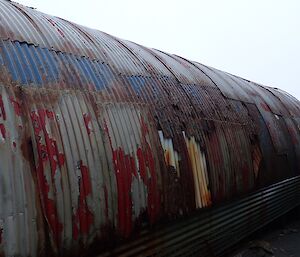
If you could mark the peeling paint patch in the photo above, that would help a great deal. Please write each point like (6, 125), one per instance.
(16, 105)
(172, 157)
(3, 113)
(3, 131)
(83, 217)
(88, 122)
(135, 172)
(48, 156)
(146, 158)
(198, 163)
(124, 179)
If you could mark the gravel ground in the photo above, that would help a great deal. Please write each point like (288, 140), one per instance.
(281, 241)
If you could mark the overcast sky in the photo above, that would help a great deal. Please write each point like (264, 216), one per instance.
(255, 39)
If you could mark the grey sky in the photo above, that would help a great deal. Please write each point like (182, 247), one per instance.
(258, 39)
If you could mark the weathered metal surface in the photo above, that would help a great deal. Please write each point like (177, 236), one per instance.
(101, 138)
(213, 231)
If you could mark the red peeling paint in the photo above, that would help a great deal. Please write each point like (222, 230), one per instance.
(50, 206)
(83, 218)
(47, 151)
(3, 113)
(127, 180)
(16, 105)
(87, 121)
(3, 131)
(124, 179)
(56, 159)
(61, 159)
(50, 114)
(148, 173)
(133, 166)
(123, 170)
(107, 132)
(144, 128)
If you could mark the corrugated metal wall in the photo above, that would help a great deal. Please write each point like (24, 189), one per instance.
(100, 137)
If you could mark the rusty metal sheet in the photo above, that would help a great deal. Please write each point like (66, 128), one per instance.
(184, 71)
(271, 101)
(26, 25)
(228, 86)
(226, 225)
(101, 138)
(19, 203)
(290, 102)
(294, 133)
(61, 35)
(145, 55)
(197, 75)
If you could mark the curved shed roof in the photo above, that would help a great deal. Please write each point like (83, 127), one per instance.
(107, 108)
(23, 24)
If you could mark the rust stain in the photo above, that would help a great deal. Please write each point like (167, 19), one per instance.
(87, 122)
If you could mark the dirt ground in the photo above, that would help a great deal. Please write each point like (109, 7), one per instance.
(279, 240)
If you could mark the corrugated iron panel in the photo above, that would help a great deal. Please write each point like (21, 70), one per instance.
(152, 64)
(60, 35)
(78, 202)
(100, 137)
(20, 225)
(228, 86)
(290, 102)
(271, 101)
(217, 229)
(181, 69)
(196, 74)
(61, 126)
(27, 25)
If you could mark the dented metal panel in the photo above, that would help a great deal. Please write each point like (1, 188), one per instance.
(101, 138)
